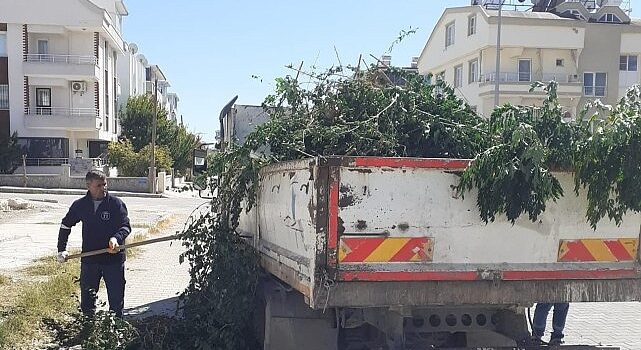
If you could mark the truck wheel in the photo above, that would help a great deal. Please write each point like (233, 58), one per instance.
(288, 323)
(512, 324)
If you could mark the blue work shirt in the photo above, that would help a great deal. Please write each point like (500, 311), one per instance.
(108, 220)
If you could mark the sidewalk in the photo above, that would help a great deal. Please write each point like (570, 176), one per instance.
(70, 191)
(154, 277)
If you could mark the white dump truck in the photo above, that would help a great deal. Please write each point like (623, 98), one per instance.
(381, 253)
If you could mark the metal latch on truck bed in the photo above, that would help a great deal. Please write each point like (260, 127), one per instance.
(490, 275)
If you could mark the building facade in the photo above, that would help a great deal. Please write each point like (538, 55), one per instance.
(132, 74)
(591, 51)
(156, 79)
(58, 82)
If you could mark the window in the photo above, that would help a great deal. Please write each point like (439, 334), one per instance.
(43, 101)
(473, 69)
(458, 76)
(41, 150)
(4, 96)
(106, 55)
(43, 47)
(609, 18)
(594, 84)
(628, 63)
(449, 34)
(573, 14)
(560, 62)
(440, 76)
(3, 45)
(471, 25)
(115, 102)
(525, 70)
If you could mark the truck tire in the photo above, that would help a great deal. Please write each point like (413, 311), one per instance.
(288, 323)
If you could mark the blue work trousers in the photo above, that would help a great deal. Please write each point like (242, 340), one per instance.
(558, 319)
(114, 276)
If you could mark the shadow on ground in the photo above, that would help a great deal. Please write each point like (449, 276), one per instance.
(165, 307)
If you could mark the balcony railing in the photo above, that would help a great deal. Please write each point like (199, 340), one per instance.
(46, 161)
(561, 78)
(527, 77)
(67, 59)
(59, 111)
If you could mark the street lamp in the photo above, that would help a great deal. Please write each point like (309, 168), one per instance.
(497, 70)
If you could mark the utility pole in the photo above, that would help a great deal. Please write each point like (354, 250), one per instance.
(497, 72)
(153, 138)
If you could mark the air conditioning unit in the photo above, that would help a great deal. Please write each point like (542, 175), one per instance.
(78, 86)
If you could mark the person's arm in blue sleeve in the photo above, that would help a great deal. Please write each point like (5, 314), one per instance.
(69, 221)
(124, 228)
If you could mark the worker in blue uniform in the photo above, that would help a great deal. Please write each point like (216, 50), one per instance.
(105, 224)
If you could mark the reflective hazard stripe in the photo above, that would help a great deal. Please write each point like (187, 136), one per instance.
(382, 249)
(64, 227)
(601, 250)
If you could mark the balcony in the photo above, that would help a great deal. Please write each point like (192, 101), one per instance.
(75, 119)
(528, 78)
(71, 67)
(519, 83)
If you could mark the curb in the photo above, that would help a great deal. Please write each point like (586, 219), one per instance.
(33, 190)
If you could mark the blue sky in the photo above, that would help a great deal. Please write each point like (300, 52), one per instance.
(210, 50)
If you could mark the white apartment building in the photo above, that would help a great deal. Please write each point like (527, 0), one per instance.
(172, 105)
(591, 51)
(131, 73)
(138, 77)
(59, 82)
(167, 100)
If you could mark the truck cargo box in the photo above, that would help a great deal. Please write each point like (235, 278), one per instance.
(374, 231)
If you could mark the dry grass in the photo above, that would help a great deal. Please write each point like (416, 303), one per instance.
(161, 225)
(49, 292)
(152, 230)
(32, 302)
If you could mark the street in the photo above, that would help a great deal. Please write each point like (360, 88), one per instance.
(154, 277)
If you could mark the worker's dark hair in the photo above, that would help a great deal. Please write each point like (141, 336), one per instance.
(95, 174)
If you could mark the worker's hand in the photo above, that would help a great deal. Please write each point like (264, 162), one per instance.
(62, 256)
(113, 245)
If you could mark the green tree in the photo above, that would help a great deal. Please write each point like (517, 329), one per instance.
(181, 148)
(9, 154)
(136, 120)
(131, 163)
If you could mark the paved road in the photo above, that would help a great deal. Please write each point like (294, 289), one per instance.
(27, 235)
(154, 276)
(615, 324)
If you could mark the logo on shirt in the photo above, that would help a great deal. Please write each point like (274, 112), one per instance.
(105, 216)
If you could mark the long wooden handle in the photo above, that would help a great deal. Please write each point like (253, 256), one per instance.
(122, 247)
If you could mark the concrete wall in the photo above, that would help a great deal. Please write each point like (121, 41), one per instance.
(435, 54)
(59, 12)
(601, 54)
(244, 120)
(126, 184)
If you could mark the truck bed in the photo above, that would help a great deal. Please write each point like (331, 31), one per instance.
(374, 231)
